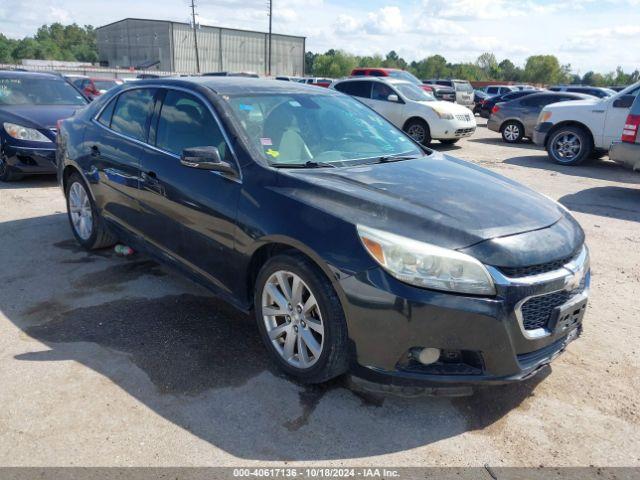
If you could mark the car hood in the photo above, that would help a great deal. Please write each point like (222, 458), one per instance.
(37, 116)
(436, 199)
(446, 107)
(586, 103)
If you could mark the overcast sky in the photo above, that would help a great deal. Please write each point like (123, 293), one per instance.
(590, 34)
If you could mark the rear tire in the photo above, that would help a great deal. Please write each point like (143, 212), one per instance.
(512, 131)
(418, 130)
(300, 319)
(569, 145)
(87, 224)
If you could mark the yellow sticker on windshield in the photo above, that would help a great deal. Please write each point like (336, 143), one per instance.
(273, 153)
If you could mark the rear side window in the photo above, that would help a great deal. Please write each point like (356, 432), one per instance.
(184, 122)
(105, 116)
(356, 89)
(359, 73)
(537, 100)
(132, 111)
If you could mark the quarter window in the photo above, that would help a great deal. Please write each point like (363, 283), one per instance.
(105, 116)
(356, 89)
(131, 112)
(185, 122)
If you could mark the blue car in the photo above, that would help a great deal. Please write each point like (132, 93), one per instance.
(355, 248)
(30, 106)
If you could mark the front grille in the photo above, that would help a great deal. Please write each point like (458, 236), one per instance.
(536, 312)
(464, 118)
(515, 272)
(464, 131)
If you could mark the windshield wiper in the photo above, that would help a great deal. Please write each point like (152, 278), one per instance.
(309, 164)
(395, 158)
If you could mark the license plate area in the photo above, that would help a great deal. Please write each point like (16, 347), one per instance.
(568, 316)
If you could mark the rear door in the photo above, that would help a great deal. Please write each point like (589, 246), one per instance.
(114, 145)
(189, 213)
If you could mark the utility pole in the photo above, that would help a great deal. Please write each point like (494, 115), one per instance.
(195, 34)
(270, 25)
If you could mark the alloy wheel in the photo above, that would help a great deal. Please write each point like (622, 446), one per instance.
(417, 132)
(292, 319)
(511, 132)
(80, 211)
(567, 146)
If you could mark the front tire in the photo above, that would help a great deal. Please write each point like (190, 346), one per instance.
(419, 131)
(300, 319)
(7, 174)
(512, 132)
(87, 225)
(570, 146)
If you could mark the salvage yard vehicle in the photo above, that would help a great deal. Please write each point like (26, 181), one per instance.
(516, 119)
(464, 91)
(30, 105)
(413, 110)
(574, 131)
(355, 247)
(627, 150)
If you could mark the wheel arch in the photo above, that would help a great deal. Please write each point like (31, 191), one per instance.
(70, 169)
(414, 118)
(512, 120)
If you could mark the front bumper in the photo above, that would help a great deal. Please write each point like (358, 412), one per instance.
(540, 132)
(30, 160)
(626, 153)
(456, 128)
(387, 319)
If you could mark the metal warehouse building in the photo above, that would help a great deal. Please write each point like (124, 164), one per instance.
(134, 42)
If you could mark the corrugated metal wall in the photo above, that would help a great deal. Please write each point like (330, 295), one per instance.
(132, 42)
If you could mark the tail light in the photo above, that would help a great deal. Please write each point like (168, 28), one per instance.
(495, 109)
(630, 131)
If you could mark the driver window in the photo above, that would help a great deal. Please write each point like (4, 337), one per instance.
(381, 92)
(184, 122)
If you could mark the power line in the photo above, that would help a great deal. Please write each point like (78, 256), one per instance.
(195, 34)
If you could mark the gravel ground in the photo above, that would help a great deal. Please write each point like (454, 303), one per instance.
(106, 361)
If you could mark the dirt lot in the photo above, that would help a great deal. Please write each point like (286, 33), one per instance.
(111, 361)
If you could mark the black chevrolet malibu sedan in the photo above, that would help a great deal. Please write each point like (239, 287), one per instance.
(355, 248)
(30, 106)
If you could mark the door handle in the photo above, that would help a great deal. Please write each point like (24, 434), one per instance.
(152, 183)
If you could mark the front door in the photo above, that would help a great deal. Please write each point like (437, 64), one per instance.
(188, 213)
(379, 101)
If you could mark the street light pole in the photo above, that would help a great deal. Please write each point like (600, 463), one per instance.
(195, 34)
(270, 27)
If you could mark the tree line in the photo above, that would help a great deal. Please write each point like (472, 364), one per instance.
(540, 69)
(52, 42)
(78, 43)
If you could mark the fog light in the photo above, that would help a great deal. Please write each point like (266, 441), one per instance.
(427, 356)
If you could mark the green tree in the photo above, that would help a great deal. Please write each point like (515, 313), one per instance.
(543, 69)
(488, 64)
(334, 63)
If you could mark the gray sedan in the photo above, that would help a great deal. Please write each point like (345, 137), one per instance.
(516, 119)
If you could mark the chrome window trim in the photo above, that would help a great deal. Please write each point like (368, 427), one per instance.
(566, 278)
(199, 96)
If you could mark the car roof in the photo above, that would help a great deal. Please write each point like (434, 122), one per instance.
(22, 74)
(560, 94)
(384, 69)
(236, 85)
(390, 80)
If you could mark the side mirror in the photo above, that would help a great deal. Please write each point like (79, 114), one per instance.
(624, 102)
(205, 158)
(393, 98)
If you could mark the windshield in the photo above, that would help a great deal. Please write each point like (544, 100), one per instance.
(414, 93)
(297, 129)
(104, 84)
(38, 91)
(463, 86)
(401, 74)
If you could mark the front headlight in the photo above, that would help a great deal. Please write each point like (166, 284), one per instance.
(426, 265)
(24, 133)
(444, 116)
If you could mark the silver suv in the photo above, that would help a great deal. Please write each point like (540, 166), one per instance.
(464, 91)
